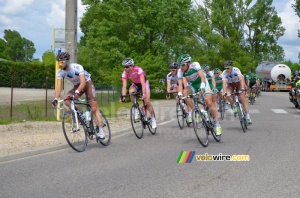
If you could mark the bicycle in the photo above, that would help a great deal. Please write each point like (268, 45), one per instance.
(77, 129)
(240, 110)
(252, 96)
(181, 112)
(203, 123)
(221, 104)
(143, 119)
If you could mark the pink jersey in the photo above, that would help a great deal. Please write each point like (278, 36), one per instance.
(134, 75)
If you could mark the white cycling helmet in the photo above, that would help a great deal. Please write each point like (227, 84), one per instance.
(128, 62)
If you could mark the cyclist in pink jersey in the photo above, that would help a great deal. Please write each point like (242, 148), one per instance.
(140, 83)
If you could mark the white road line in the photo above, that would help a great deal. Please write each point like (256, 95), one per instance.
(254, 111)
(279, 111)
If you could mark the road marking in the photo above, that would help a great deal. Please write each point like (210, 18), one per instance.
(279, 111)
(254, 111)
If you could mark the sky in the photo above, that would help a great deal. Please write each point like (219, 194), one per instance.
(36, 19)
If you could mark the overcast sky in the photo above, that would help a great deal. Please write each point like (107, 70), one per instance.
(35, 20)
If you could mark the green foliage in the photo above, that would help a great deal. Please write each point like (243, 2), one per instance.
(26, 74)
(296, 7)
(16, 48)
(242, 33)
(49, 58)
(155, 30)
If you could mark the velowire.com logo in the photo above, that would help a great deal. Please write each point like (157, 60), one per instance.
(188, 156)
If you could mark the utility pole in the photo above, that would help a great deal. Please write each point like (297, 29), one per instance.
(71, 35)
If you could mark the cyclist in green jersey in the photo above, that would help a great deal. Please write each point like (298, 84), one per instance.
(212, 83)
(252, 83)
(191, 72)
(246, 78)
(219, 85)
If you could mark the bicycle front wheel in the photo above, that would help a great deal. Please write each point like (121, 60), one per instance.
(136, 121)
(180, 115)
(242, 118)
(106, 130)
(200, 128)
(74, 132)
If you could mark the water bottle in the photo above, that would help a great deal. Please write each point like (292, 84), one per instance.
(88, 115)
(204, 112)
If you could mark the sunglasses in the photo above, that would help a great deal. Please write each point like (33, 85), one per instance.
(173, 70)
(127, 67)
(61, 62)
(227, 67)
(216, 73)
(183, 64)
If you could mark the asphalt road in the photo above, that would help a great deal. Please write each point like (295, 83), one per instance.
(147, 168)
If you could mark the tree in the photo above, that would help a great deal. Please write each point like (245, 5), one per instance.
(116, 29)
(16, 47)
(247, 34)
(49, 58)
(296, 7)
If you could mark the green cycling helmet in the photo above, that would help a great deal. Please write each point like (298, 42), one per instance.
(205, 66)
(216, 70)
(184, 58)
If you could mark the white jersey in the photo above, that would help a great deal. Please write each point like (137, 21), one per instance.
(173, 79)
(233, 76)
(73, 73)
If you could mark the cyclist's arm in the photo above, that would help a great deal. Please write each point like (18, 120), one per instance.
(180, 85)
(168, 86)
(203, 79)
(214, 83)
(242, 81)
(124, 87)
(82, 82)
(224, 82)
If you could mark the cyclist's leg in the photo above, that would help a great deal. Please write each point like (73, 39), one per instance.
(133, 88)
(90, 93)
(149, 105)
(189, 103)
(215, 98)
(213, 109)
(229, 91)
(245, 105)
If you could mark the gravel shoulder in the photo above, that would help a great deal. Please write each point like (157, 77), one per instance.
(30, 136)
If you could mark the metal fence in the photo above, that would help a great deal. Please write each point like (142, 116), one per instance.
(35, 104)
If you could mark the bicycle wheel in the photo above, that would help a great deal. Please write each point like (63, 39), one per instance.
(200, 128)
(241, 117)
(106, 130)
(180, 115)
(136, 122)
(252, 98)
(76, 137)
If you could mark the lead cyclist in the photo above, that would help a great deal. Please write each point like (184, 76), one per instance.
(233, 79)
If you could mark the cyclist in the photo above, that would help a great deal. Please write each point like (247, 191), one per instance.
(83, 84)
(246, 78)
(140, 83)
(190, 72)
(293, 81)
(172, 80)
(212, 83)
(219, 85)
(233, 79)
(252, 83)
